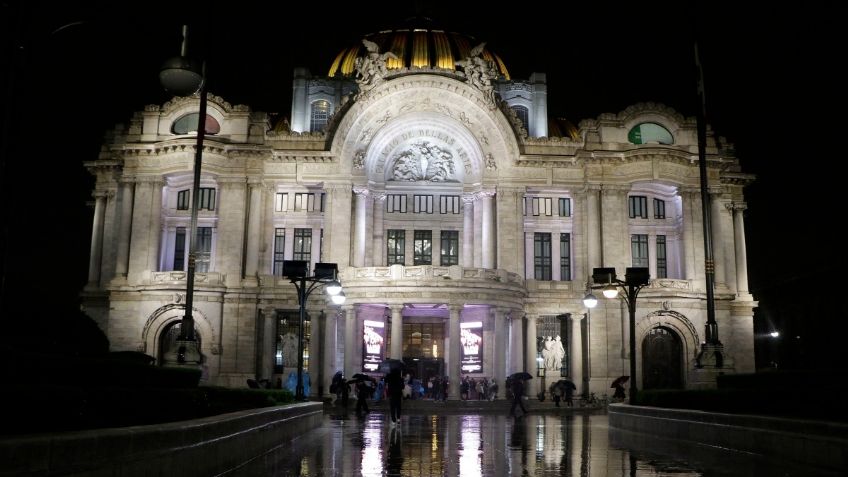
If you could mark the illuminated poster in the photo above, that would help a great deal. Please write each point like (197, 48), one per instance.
(372, 345)
(471, 343)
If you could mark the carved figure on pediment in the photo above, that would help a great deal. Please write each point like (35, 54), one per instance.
(480, 72)
(424, 162)
(359, 160)
(371, 69)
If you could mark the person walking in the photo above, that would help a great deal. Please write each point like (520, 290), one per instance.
(395, 384)
(517, 396)
(363, 391)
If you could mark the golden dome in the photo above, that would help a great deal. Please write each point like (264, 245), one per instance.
(416, 48)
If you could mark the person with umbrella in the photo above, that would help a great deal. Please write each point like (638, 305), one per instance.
(363, 390)
(561, 388)
(517, 386)
(618, 384)
(394, 382)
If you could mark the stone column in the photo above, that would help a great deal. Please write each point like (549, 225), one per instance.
(140, 231)
(267, 347)
(453, 364)
(593, 228)
(350, 367)
(229, 249)
(397, 331)
(96, 239)
(254, 233)
(741, 250)
(652, 254)
(615, 234)
(716, 210)
(155, 233)
(125, 228)
(530, 350)
(499, 315)
(329, 350)
(729, 243)
(360, 224)
(516, 343)
(468, 230)
(487, 229)
(379, 249)
(575, 352)
(315, 375)
(510, 230)
(579, 257)
(337, 225)
(688, 236)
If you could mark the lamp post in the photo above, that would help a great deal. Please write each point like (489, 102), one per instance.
(183, 76)
(325, 274)
(634, 279)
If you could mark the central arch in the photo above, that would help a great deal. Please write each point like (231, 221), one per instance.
(662, 359)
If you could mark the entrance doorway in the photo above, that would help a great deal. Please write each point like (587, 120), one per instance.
(662, 359)
(424, 368)
(168, 344)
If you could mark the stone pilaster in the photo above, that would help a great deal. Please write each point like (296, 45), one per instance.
(575, 352)
(741, 251)
(468, 230)
(230, 229)
(125, 221)
(254, 228)
(361, 225)
(337, 225)
(397, 331)
(453, 361)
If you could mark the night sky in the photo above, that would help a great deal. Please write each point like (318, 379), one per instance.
(771, 82)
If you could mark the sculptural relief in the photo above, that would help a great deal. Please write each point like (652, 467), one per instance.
(424, 162)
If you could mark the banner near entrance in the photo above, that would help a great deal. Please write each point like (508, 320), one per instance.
(471, 343)
(373, 345)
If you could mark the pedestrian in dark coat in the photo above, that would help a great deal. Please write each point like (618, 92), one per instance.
(517, 396)
(394, 382)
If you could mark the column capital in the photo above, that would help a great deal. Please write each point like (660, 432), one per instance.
(455, 308)
(469, 197)
(361, 191)
(379, 196)
(740, 206)
(396, 307)
(485, 194)
(576, 317)
(612, 189)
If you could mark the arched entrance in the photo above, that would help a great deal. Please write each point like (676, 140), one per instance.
(168, 343)
(662, 359)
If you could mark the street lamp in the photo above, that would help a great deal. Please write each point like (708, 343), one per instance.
(634, 279)
(325, 274)
(183, 76)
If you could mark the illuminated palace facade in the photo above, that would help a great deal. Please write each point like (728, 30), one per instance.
(465, 225)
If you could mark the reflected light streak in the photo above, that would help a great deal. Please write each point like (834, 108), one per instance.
(372, 450)
(471, 447)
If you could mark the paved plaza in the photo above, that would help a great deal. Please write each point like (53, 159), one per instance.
(450, 442)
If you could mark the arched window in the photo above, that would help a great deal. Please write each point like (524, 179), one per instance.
(523, 114)
(647, 133)
(320, 115)
(188, 125)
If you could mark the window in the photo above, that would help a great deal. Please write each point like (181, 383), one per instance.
(422, 204)
(281, 202)
(207, 198)
(564, 207)
(188, 125)
(396, 203)
(304, 202)
(279, 250)
(423, 247)
(638, 206)
(647, 133)
(542, 256)
(182, 199)
(450, 248)
(303, 245)
(320, 115)
(449, 204)
(659, 209)
(523, 115)
(203, 255)
(542, 206)
(395, 245)
(662, 259)
(639, 250)
(179, 249)
(565, 257)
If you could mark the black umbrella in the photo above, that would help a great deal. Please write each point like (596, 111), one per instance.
(523, 375)
(619, 381)
(359, 377)
(389, 365)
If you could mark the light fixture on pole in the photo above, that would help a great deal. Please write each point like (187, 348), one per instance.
(326, 274)
(634, 279)
(183, 76)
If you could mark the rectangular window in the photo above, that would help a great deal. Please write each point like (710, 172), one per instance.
(542, 256)
(638, 206)
(281, 202)
(639, 250)
(662, 260)
(396, 203)
(422, 204)
(207, 198)
(450, 248)
(182, 200)
(659, 209)
(279, 248)
(542, 206)
(179, 249)
(564, 207)
(203, 255)
(449, 204)
(395, 245)
(304, 202)
(423, 247)
(322, 201)
(303, 245)
(565, 257)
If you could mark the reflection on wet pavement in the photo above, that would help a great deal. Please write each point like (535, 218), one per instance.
(494, 445)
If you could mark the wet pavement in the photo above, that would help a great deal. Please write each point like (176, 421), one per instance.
(456, 443)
